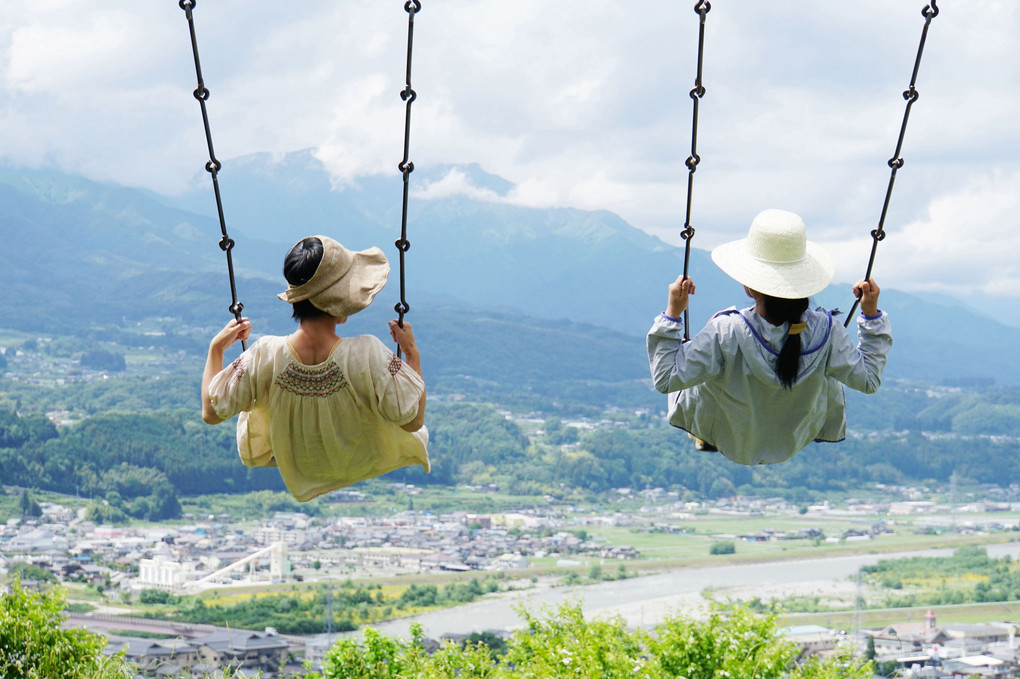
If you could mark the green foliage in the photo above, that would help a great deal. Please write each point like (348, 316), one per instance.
(557, 433)
(100, 359)
(33, 645)
(153, 456)
(29, 507)
(17, 431)
(731, 642)
(304, 613)
(968, 576)
(464, 432)
(723, 547)
(25, 572)
(156, 596)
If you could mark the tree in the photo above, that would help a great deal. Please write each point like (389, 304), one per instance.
(25, 571)
(722, 487)
(28, 506)
(723, 547)
(33, 645)
(732, 642)
(98, 359)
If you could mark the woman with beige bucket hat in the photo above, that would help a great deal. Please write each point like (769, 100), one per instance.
(327, 410)
(761, 383)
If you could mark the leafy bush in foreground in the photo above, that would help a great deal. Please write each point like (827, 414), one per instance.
(33, 646)
(731, 642)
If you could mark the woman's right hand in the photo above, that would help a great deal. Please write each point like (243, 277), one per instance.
(679, 293)
(233, 331)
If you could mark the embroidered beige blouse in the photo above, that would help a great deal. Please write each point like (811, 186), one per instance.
(325, 426)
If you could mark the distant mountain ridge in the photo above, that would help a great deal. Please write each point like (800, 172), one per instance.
(91, 253)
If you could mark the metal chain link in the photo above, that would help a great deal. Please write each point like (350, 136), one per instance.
(406, 167)
(911, 95)
(702, 8)
(213, 165)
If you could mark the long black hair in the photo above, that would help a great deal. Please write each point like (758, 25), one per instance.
(298, 268)
(779, 310)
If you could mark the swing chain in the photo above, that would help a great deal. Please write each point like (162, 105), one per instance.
(406, 167)
(213, 165)
(910, 95)
(702, 8)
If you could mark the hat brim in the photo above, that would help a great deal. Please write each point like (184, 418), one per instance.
(787, 280)
(356, 286)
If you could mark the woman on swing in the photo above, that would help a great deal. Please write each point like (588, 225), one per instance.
(328, 411)
(761, 383)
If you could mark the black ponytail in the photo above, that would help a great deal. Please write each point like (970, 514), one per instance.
(298, 268)
(779, 310)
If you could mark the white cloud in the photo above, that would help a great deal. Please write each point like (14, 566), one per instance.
(577, 103)
(455, 183)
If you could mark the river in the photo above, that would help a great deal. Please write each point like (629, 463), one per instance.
(647, 600)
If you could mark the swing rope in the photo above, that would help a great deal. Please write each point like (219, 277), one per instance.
(213, 165)
(896, 162)
(702, 8)
(406, 167)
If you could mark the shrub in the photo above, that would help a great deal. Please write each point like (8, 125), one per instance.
(723, 547)
(732, 642)
(33, 646)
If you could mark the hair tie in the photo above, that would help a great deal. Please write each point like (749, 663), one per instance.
(797, 328)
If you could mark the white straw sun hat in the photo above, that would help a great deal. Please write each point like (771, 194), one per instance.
(776, 259)
(345, 282)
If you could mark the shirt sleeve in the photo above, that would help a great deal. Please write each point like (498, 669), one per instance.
(232, 390)
(677, 365)
(861, 367)
(398, 388)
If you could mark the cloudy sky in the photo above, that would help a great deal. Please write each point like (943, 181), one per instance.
(579, 104)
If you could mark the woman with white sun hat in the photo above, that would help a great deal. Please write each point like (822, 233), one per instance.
(760, 383)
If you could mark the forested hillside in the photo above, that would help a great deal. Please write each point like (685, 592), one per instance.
(157, 449)
(530, 324)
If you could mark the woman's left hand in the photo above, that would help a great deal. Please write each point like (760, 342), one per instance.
(404, 337)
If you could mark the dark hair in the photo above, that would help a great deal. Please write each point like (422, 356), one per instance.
(779, 310)
(298, 268)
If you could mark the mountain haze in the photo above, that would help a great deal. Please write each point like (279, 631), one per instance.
(81, 252)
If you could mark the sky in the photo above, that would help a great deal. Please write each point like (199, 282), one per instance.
(579, 104)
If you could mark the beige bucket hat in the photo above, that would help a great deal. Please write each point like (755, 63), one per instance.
(345, 282)
(776, 258)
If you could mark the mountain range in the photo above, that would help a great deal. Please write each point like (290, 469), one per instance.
(564, 288)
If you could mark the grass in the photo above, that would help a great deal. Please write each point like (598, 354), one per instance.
(953, 613)
(692, 548)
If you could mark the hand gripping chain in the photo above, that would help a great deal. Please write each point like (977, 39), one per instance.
(406, 167)
(213, 166)
(702, 8)
(911, 95)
